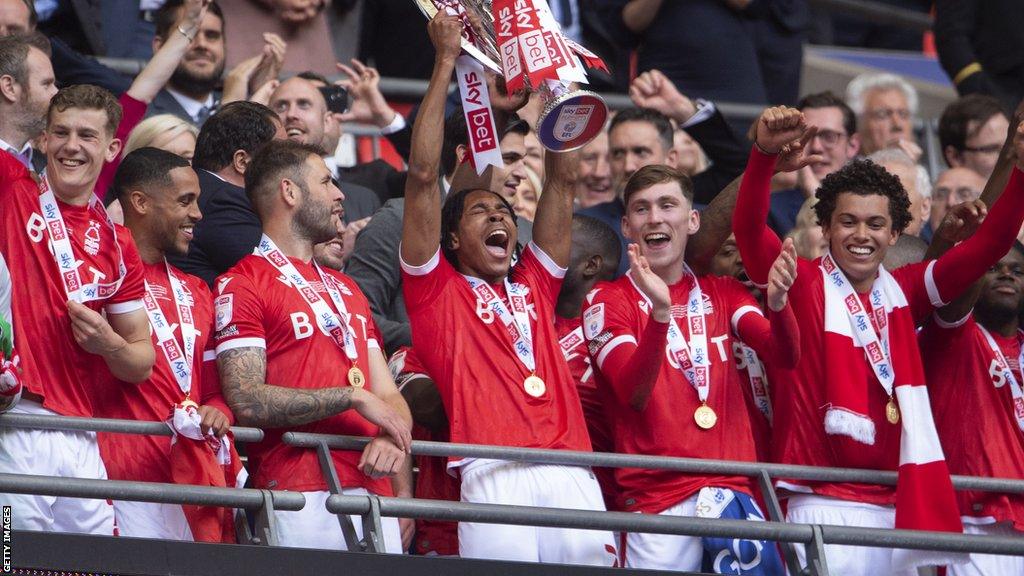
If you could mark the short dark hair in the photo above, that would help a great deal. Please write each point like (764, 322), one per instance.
(87, 97)
(864, 178)
(456, 134)
(599, 239)
(14, 54)
(236, 126)
(955, 120)
(451, 214)
(272, 162)
(146, 168)
(660, 122)
(167, 16)
(828, 99)
(313, 77)
(654, 174)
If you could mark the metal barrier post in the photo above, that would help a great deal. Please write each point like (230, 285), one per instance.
(334, 486)
(373, 536)
(266, 522)
(816, 564)
(771, 501)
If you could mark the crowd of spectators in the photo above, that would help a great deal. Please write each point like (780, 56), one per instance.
(194, 245)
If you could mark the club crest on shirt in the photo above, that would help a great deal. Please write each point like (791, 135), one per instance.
(224, 305)
(593, 320)
(92, 238)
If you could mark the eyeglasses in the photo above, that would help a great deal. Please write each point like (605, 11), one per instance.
(886, 113)
(830, 138)
(990, 149)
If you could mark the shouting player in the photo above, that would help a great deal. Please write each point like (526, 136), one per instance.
(661, 339)
(72, 265)
(857, 399)
(298, 350)
(158, 191)
(485, 331)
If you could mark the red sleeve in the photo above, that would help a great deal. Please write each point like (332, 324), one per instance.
(423, 285)
(134, 285)
(210, 391)
(625, 363)
(132, 112)
(957, 269)
(758, 245)
(540, 271)
(777, 339)
(239, 314)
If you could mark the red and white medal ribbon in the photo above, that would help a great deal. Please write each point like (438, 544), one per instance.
(1004, 366)
(476, 106)
(876, 349)
(179, 357)
(328, 322)
(516, 320)
(64, 254)
(690, 353)
(758, 380)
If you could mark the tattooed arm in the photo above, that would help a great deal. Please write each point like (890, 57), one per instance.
(243, 373)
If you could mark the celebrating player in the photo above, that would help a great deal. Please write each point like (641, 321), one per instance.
(486, 332)
(660, 338)
(71, 350)
(297, 349)
(857, 399)
(158, 192)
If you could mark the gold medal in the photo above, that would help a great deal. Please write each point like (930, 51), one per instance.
(355, 377)
(534, 386)
(187, 402)
(892, 413)
(705, 417)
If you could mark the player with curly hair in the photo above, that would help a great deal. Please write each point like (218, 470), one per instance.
(857, 399)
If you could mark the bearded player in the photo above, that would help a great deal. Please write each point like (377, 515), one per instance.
(660, 338)
(297, 349)
(59, 301)
(486, 332)
(158, 192)
(857, 399)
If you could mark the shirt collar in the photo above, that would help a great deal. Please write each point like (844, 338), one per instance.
(191, 105)
(26, 150)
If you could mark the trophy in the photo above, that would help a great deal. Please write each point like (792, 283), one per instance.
(520, 40)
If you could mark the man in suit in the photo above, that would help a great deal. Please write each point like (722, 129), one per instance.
(981, 47)
(191, 92)
(230, 228)
(26, 87)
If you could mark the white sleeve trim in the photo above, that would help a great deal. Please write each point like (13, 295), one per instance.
(423, 269)
(611, 345)
(547, 262)
(741, 312)
(950, 325)
(124, 307)
(931, 287)
(241, 343)
(372, 344)
(209, 355)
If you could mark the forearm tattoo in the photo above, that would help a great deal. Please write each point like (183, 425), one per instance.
(255, 403)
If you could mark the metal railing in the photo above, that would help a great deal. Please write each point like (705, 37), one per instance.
(372, 508)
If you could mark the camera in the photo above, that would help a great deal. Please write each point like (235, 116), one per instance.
(337, 98)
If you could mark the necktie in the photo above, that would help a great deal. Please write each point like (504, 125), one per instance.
(204, 113)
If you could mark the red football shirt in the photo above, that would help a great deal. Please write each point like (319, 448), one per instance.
(476, 370)
(973, 411)
(53, 365)
(616, 318)
(256, 307)
(147, 458)
(433, 481)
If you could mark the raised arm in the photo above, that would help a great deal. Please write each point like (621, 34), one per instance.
(421, 225)
(554, 209)
(172, 49)
(778, 340)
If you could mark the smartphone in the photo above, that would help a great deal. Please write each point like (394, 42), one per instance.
(336, 97)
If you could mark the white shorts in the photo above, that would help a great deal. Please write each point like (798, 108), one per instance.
(53, 453)
(550, 486)
(989, 564)
(151, 520)
(666, 551)
(846, 560)
(315, 527)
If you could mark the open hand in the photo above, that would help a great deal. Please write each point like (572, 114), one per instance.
(270, 63)
(385, 417)
(368, 105)
(961, 221)
(650, 284)
(92, 331)
(782, 276)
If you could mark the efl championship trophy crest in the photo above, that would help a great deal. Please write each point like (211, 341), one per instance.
(521, 41)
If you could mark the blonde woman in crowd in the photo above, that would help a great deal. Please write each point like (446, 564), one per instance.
(527, 195)
(691, 158)
(806, 235)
